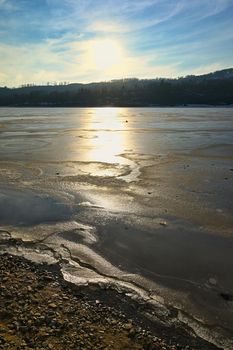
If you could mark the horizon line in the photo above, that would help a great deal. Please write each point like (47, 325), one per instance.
(67, 83)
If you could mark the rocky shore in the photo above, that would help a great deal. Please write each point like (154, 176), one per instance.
(38, 310)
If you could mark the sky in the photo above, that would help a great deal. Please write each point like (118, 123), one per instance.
(97, 40)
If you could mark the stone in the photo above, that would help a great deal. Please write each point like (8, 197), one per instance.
(128, 326)
(212, 281)
(52, 305)
(163, 223)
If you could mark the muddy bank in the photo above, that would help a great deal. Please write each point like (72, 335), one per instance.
(38, 310)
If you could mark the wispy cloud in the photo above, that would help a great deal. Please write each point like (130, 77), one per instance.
(198, 10)
(52, 39)
(72, 61)
(7, 5)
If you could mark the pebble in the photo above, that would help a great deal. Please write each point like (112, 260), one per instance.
(52, 305)
(128, 326)
(163, 223)
(37, 314)
(212, 281)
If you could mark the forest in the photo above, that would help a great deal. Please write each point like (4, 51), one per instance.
(210, 89)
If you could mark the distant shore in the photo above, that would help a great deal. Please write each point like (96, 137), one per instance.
(209, 89)
(118, 106)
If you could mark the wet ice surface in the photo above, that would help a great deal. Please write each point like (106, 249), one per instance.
(25, 208)
(146, 202)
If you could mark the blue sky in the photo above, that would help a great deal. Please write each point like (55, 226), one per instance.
(96, 40)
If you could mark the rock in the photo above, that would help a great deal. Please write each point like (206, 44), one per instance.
(132, 332)
(163, 223)
(114, 322)
(52, 305)
(212, 281)
(128, 326)
(24, 329)
(56, 316)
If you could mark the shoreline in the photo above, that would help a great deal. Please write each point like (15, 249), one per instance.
(23, 281)
(158, 242)
(230, 105)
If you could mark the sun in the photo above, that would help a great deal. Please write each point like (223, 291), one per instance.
(106, 53)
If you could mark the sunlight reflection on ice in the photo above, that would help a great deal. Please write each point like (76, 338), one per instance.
(111, 139)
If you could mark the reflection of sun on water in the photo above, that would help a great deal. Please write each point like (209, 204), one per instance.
(108, 124)
(110, 131)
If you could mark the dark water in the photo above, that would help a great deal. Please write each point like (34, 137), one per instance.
(152, 196)
(22, 208)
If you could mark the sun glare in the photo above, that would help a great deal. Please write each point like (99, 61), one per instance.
(106, 53)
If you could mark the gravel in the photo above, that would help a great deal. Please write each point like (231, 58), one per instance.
(38, 312)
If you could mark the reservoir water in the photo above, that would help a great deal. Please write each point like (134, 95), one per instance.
(136, 198)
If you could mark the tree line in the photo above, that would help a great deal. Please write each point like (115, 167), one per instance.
(209, 89)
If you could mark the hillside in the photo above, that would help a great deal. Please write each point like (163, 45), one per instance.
(212, 89)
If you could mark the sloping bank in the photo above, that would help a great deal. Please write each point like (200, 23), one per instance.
(40, 310)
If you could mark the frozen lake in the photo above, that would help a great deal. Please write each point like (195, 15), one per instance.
(143, 196)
